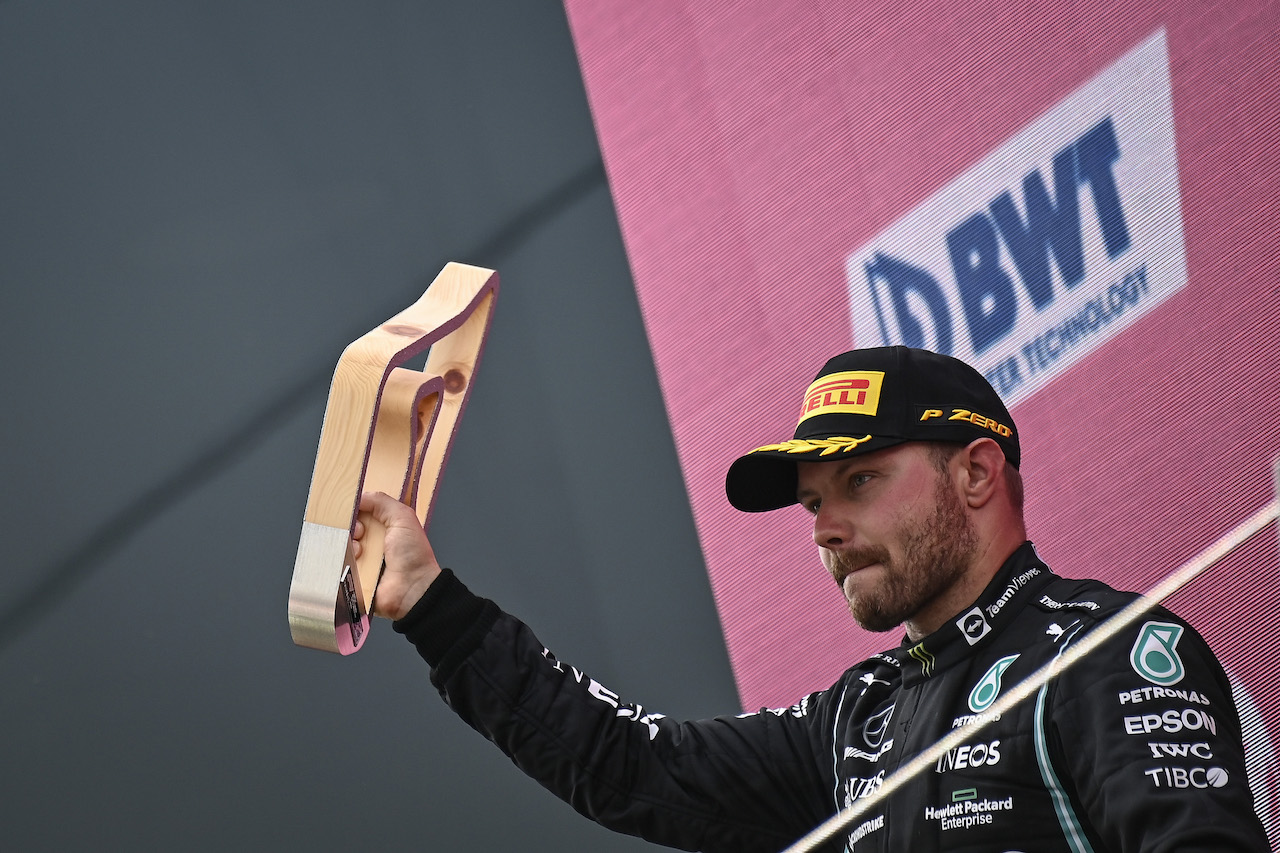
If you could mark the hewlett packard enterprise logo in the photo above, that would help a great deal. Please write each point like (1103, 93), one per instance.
(1046, 249)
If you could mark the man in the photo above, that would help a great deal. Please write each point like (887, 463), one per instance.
(908, 462)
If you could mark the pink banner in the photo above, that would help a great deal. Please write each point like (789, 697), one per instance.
(1077, 198)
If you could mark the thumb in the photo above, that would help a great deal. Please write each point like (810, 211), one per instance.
(410, 564)
(386, 510)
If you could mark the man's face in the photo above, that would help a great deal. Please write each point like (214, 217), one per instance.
(891, 530)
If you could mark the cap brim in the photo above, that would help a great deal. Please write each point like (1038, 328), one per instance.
(759, 482)
(764, 480)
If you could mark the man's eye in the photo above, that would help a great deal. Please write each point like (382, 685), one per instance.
(859, 480)
(811, 506)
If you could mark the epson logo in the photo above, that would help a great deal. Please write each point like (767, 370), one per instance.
(1048, 247)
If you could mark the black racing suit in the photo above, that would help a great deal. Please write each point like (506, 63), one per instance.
(1136, 748)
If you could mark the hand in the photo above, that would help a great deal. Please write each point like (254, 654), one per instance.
(410, 563)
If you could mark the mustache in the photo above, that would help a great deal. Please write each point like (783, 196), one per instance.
(845, 563)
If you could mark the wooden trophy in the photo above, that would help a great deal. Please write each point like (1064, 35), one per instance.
(386, 428)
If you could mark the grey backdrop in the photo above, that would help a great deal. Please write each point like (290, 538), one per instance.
(200, 205)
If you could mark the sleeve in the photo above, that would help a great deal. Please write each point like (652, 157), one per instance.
(1145, 743)
(749, 783)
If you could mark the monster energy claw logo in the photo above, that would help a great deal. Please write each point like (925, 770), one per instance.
(988, 687)
(924, 658)
(1155, 655)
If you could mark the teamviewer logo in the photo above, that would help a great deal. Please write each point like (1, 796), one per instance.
(973, 625)
(1052, 245)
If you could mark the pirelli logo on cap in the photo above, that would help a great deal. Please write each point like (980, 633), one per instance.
(851, 392)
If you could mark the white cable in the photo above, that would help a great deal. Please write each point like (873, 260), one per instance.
(1104, 632)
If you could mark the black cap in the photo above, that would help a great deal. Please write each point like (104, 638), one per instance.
(869, 399)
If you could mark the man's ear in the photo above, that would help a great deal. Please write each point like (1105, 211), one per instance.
(981, 463)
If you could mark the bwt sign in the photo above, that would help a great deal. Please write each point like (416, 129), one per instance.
(1052, 228)
(1049, 247)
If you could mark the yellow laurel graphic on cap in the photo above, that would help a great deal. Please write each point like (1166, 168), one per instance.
(827, 446)
(850, 392)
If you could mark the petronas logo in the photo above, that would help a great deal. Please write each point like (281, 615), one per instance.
(1155, 653)
(988, 687)
(924, 658)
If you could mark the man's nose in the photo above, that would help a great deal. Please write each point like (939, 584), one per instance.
(830, 528)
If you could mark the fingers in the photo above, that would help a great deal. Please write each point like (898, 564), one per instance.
(371, 501)
(386, 509)
(409, 563)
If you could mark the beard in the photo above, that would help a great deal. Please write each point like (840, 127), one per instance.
(936, 552)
